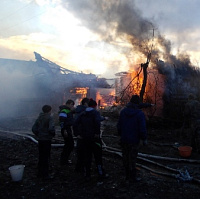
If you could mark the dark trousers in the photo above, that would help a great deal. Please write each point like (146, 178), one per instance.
(129, 154)
(44, 147)
(93, 148)
(67, 149)
(80, 155)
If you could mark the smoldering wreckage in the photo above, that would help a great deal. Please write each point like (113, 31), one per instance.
(159, 163)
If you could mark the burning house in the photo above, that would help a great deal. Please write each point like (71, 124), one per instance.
(120, 25)
(123, 26)
(168, 87)
(27, 85)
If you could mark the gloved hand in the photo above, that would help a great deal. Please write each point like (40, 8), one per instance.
(144, 142)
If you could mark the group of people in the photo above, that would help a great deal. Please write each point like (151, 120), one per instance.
(85, 125)
(84, 122)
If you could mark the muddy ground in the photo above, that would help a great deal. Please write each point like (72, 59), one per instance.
(67, 184)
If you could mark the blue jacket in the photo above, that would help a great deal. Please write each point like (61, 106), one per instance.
(132, 124)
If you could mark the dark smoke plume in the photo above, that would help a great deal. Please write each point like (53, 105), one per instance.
(112, 19)
(121, 19)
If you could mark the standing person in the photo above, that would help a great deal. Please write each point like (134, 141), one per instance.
(192, 113)
(89, 122)
(66, 121)
(77, 132)
(44, 129)
(131, 127)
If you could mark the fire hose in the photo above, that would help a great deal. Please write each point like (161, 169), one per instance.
(181, 175)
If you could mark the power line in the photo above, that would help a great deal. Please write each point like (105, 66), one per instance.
(16, 11)
(22, 22)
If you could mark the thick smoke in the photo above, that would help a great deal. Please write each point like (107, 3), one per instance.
(113, 21)
(116, 20)
(16, 90)
(108, 17)
(121, 20)
(25, 88)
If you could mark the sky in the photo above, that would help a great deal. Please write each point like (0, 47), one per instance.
(99, 36)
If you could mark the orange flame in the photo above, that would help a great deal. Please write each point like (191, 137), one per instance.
(105, 97)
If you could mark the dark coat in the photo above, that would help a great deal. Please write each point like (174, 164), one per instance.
(132, 125)
(77, 127)
(79, 109)
(89, 123)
